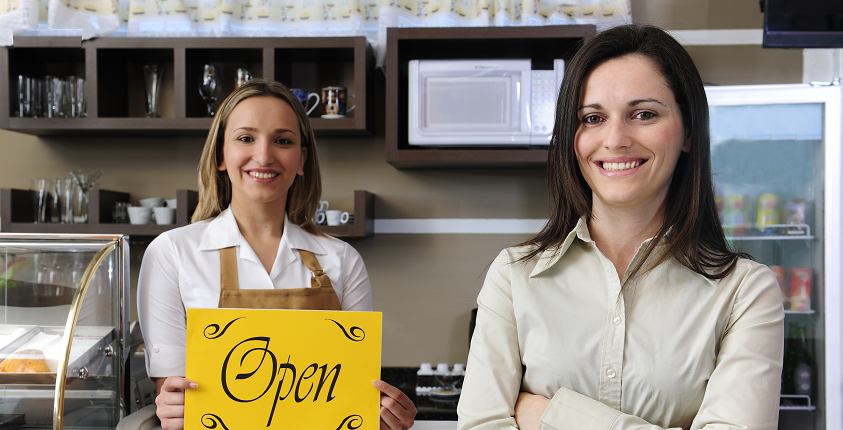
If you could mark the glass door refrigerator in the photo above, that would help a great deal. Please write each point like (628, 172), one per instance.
(776, 160)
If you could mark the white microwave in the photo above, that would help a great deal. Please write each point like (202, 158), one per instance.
(482, 102)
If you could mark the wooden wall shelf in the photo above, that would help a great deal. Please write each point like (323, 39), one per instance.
(112, 68)
(405, 44)
(16, 215)
(364, 218)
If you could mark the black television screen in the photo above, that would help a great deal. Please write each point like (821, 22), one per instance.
(803, 23)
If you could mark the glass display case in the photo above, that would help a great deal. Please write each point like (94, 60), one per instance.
(63, 319)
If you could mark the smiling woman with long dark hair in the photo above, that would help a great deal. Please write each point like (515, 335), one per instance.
(628, 310)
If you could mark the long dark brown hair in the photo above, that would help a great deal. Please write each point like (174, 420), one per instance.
(691, 228)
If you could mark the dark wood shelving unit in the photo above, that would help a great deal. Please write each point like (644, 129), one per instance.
(405, 44)
(364, 218)
(112, 68)
(16, 215)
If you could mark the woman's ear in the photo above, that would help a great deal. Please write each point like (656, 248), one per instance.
(303, 159)
(686, 147)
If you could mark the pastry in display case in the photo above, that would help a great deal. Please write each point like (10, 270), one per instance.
(64, 307)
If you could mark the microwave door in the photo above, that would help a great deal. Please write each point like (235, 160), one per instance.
(475, 108)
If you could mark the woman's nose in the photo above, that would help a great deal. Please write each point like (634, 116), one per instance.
(617, 135)
(262, 152)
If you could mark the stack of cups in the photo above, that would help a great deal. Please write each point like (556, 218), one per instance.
(321, 217)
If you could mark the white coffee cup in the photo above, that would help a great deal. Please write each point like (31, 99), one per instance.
(333, 217)
(345, 217)
(320, 218)
(165, 215)
(139, 214)
(171, 203)
(152, 202)
(323, 206)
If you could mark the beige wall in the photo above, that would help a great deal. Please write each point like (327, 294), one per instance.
(426, 285)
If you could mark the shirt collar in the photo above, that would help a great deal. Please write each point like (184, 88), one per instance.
(223, 232)
(552, 255)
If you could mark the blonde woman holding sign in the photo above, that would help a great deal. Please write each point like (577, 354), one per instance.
(252, 242)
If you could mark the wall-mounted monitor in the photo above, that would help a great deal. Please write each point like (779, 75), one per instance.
(803, 23)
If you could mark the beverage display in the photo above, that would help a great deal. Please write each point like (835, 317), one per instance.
(800, 289)
(798, 369)
(767, 213)
(780, 278)
(736, 215)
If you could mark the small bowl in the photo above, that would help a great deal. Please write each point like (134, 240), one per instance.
(139, 215)
(152, 202)
(165, 215)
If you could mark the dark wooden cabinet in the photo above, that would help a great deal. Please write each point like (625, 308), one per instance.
(405, 44)
(113, 70)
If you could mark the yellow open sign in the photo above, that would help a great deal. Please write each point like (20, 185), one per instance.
(282, 369)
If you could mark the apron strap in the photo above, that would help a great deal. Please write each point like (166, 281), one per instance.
(228, 269)
(318, 278)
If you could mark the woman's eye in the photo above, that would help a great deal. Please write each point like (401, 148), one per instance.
(591, 119)
(645, 115)
(245, 138)
(283, 141)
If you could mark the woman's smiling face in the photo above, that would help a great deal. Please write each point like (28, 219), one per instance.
(630, 133)
(262, 151)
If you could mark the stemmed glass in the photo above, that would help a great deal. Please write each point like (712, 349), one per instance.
(209, 87)
(85, 180)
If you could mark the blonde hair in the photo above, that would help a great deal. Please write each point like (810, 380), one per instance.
(214, 185)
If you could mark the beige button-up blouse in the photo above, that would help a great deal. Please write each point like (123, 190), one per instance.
(675, 350)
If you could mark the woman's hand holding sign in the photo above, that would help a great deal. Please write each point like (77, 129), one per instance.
(170, 401)
(397, 411)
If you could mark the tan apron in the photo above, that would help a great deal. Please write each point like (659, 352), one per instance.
(321, 295)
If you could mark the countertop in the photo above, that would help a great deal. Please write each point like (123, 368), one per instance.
(434, 425)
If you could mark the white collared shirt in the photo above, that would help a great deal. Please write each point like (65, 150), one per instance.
(181, 270)
(674, 350)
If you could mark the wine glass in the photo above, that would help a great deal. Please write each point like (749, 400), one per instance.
(209, 87)
(85, 180)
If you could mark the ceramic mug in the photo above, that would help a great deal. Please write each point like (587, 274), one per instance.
(333, 217)
(320, 218)
(323, 206)
(334, 101)
(304, 97)
(139, 214)
(346, 218)
(164, 215)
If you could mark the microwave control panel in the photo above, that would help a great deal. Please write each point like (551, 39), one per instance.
(543, 101)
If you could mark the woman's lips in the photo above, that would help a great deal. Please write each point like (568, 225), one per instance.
(619, 166)
(262, 175)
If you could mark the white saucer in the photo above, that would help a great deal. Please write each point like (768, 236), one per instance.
(333, 116)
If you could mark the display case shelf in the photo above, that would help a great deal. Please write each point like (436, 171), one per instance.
(405, 44)
(113, 69)
(795, 402)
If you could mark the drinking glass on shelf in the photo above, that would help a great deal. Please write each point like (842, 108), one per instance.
(81, 101)
(55, 200)
(59, 90)
(85, 180)
(24, 87)
(70, 99)
(209, 87)
(151, 84)
(65, 188)
(40, 198)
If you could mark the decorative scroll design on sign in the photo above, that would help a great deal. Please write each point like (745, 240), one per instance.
(213, 421)
(215, 329)
(354, 336)
(351, 421)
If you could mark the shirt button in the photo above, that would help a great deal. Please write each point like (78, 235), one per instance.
(616, 320)
(155, 349)
(611, 373)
